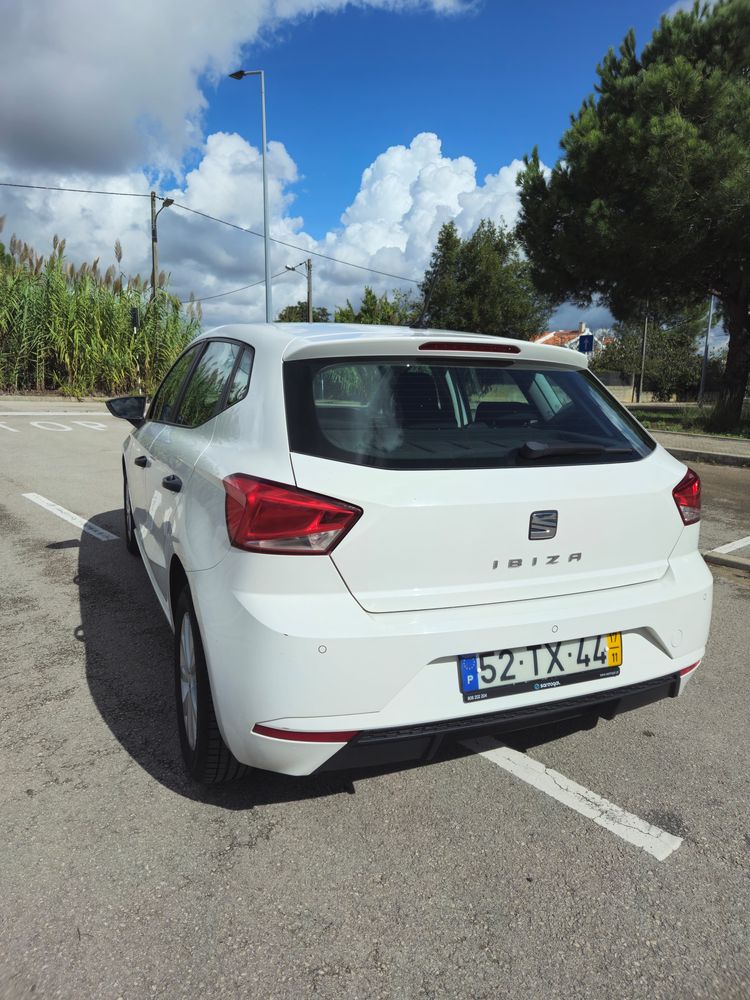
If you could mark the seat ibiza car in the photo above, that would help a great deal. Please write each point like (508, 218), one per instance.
(367, 539)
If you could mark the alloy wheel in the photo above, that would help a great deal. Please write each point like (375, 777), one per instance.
(188, 681)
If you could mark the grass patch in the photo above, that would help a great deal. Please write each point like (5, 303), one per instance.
(688, 419)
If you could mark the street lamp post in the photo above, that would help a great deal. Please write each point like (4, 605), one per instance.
(643, 353)
(240, 74)
(154, 240)
(704, 366)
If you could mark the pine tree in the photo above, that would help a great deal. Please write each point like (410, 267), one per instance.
(651, 197)
(482, 285)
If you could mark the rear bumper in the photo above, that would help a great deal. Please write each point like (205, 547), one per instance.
(301, 655)
(420, 743)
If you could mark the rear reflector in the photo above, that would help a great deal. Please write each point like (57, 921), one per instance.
(269, 517)
(686, 670)
(687, 496)
(452, 345)
(299, 737)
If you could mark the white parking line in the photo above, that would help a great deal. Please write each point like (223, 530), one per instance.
(652, 839)
(67, 515)
(732, 546)
(55, 413)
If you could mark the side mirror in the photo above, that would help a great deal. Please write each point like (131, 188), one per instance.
(131, 408)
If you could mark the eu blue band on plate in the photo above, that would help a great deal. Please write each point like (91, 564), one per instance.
(469, 674)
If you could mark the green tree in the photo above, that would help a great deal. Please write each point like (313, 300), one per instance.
(298, 314)
(440, 287)
(482, 285)
(673, 358)
(651, 199)
(399, 310)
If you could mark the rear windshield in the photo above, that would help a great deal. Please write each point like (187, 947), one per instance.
(397, 414)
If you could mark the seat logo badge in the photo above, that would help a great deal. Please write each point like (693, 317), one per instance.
(543, 524)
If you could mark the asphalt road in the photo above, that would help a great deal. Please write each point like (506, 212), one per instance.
(119, 878)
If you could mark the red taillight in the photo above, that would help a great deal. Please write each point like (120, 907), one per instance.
(454, 345)
(687, 496)
(269, 517)
(299, 737)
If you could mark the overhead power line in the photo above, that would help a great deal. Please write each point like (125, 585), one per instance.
(295, 246)
(223, 222)
(231, 291)
(47, 187)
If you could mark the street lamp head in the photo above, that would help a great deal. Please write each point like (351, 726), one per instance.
(168, 202)
(238, 74)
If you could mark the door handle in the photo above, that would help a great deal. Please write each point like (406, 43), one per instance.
(172, 483)
(141, 461)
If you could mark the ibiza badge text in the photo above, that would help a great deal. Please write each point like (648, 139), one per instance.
(541, 560)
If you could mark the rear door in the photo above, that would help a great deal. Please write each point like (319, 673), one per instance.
(162, 410)
(185, 432)
(480, 482)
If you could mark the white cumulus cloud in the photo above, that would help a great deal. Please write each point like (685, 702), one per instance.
(112, 97)
(405, 196)
(107, 86)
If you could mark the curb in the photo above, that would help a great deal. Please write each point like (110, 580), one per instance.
(696, 435)
(733, 562)
(49, 397)
(709, 457)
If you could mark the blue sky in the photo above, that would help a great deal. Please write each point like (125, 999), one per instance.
(343, 87)
(386, 118)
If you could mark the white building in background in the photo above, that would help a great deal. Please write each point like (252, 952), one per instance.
(572, 338)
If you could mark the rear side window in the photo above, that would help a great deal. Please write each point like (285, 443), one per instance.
(163, 405)
(206, 385)
(400, 413)
(240, 383)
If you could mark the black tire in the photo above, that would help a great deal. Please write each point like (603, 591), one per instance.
(207, 758)
(131, 543)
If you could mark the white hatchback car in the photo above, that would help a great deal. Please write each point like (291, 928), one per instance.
(367, 539)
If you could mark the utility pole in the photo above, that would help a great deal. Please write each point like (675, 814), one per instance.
(643, 353)
(166, 202)
(154, 248)
(705, 349)
(307, 264)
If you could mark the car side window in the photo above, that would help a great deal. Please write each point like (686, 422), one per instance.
(206, 384)
(163, 405)
(241, 380)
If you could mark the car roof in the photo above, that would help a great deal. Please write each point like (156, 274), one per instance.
(320, 339)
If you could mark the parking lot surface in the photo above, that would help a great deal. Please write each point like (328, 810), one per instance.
(461, 878)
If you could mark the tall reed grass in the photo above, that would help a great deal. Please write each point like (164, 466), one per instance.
(71, 329)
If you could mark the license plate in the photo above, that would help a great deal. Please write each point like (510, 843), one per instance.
(539, 668)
